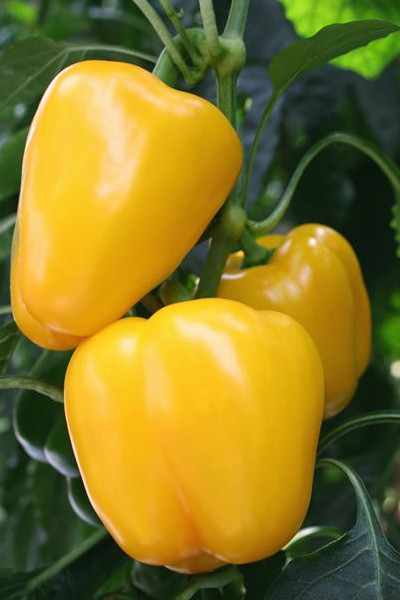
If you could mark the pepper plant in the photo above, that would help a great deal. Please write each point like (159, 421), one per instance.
(203, 47)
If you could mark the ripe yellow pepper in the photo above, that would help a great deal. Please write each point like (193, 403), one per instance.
(195, 431)
(313, 276)
(121, 176)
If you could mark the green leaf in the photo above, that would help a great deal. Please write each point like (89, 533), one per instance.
(58, 449)
(9, 335)
(80, 503)
(11, 154)
(13, 586)
(259, 576)
(34, 414)
(208, 581)
(302, 56)
(23, 79)
(6, 234)
(395, 223)
(157, 583)
(77, 575)
(329, 43)
(308, 16)
(361, 564)
(22, 11)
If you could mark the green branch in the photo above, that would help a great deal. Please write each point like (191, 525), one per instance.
(162, 31)
(10, 382)
(388, 167)
(210, 28)
(176, 21)
(237, 18)
(372, 418)
(66, 560)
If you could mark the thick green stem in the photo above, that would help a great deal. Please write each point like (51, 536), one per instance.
(236, 22)
(231, 221)
(226, 96)
(210, 28)
(29, 383)
(254, 254)
(165, 36)
(214, 266)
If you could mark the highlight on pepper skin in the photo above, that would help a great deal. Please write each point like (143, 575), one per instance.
(174, 419)
(128, 180)
(313, 276)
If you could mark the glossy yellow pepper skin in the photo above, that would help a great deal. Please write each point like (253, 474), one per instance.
(121, 176)
(313, 276)
(195, 431)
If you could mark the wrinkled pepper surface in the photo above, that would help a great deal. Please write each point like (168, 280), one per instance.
(121, 175)
(313, 276)
(195, 431)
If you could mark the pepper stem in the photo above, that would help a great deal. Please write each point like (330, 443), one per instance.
(162, 31)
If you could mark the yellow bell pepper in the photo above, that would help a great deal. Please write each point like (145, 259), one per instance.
(195, 431)
(313, 276)
(121, 176)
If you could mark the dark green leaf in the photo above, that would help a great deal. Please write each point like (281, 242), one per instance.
(6, 235)
(308, 16)
(329, 43)
(80, 503)
(259, 576)
(208, 581)
(9, 335)
(58, 450)
(361, 564)
(13, 586)
(23, 80)
(34, 414)
(156, 582)
(395, 223)
(11, 153)
(77, 576)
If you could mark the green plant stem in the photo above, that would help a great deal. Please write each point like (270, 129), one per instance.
(10, 382)
(167, 71)
(388, 167)
(66, 560)
(215, 262)
(254, 254)
(237, 18)
(226, 96)
(162, 31)
(224, 237)
(253, 151)
(373, 418)
(180, 29)
(210, 28)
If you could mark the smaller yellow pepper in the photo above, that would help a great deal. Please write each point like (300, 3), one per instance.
(196, 431)
(313, 276)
